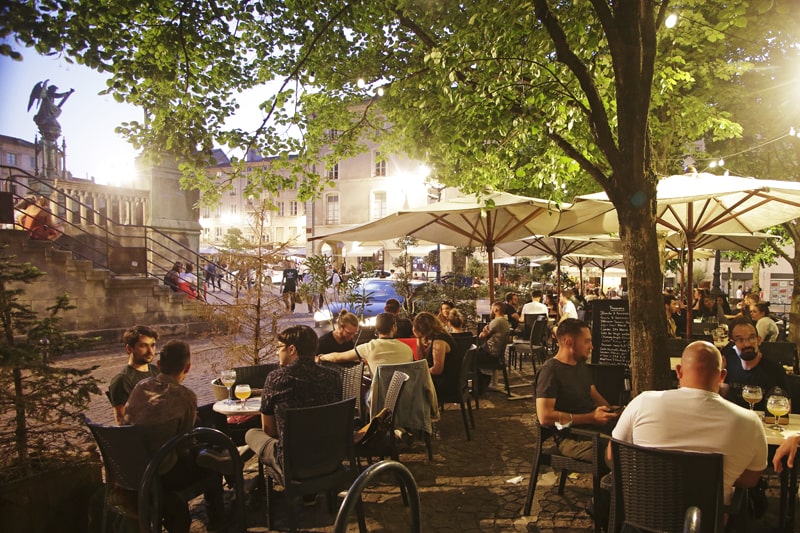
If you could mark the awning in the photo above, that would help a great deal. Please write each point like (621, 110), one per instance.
(357, 249)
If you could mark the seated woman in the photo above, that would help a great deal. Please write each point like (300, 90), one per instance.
(766, 327)
(444, 314)
(456, 319)
(435, 343)
(41, 225)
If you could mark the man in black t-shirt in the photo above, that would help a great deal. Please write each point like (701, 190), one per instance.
(289, 284)
(140, 343)
(746, 365)
(565, 395)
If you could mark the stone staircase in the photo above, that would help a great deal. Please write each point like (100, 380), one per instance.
(106, 304)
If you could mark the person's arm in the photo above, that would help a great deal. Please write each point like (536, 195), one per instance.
(340, 357)
(788, 449)
(268, 425)
(439, 352)
(119, 413)
(598, 399)
(548, 416)
(748, 479)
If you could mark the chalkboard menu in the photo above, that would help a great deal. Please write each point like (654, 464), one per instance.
(611, 332)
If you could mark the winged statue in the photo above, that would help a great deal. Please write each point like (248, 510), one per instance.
(47, 115)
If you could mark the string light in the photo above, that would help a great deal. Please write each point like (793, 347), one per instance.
(671, 21)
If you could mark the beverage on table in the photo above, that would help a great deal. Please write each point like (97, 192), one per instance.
(228, 378)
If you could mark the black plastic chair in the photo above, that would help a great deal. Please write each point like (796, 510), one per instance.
(522, 343)
(351, 374)
(653, 488)
(150, 487)
(538, 342)
(460, 391)
(613, 382)
(353, 499)
(416, 407)
(316, 443)
(784, 353)
(384, 445)
(548, 454)
(254, 375)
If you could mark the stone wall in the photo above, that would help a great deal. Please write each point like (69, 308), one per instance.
(105, 304)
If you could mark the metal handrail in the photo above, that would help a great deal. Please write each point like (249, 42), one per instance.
(94, 247)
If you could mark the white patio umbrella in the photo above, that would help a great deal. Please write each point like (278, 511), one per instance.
(694, 205)
(560, 248)
(465, 221)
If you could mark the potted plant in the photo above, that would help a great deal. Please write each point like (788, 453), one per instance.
(49, 468)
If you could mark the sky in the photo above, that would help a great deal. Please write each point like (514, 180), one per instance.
(87, 119)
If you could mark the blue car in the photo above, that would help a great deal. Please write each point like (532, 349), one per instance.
(376, 292)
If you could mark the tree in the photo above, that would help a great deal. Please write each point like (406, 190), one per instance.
(44, 401)
(515, 95)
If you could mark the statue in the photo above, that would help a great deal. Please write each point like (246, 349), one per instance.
(47, 116)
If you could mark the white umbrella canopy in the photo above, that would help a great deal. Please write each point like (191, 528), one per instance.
(693, 205)
(465, 221)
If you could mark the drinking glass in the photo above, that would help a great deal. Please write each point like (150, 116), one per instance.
(752, 394)
(228, 378)
(242, 391)
(778, 405)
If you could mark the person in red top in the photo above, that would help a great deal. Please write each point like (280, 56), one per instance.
(39, 222)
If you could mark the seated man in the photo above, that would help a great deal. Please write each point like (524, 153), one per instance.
(696, 418)
(535, 306)
(565, 395)
(299, 382)
(162, 399)
(746, 365)
(405, 329)
(140, 343)
(381, 351)
(492, 342)
(511, 309)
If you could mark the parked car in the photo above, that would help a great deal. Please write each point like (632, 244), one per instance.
(375, 292)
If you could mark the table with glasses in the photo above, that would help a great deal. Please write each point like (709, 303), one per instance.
(249, 407)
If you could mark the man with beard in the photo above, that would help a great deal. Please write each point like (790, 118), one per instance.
(746, 365)
(140, 343)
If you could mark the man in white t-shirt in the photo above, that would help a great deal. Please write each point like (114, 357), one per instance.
(535, 306)
(385, 350)
(696, 418)
(568, 309)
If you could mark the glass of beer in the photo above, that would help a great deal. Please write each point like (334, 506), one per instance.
(752, 394)
(778, 405)
(242, 391)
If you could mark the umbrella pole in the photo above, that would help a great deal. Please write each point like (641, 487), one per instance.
(490, 255)
(689, 287)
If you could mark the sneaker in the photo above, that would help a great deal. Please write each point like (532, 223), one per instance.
(215, 460)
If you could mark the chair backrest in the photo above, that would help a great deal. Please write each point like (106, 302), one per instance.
(538, 330)
(316, 440)
(419, 402)
(124, 452)
(412, 343)
(254, 375)
(351, 374)
(528, 320)
(654, 487)
(784, 353)
(395, 388)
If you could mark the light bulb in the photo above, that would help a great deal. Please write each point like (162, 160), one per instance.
(671, 21)
(721, 162)
(361, 83)
(791, 132)
(312, 78)
(712, 164)
(380, 91)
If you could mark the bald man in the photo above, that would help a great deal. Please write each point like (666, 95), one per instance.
(696, 418)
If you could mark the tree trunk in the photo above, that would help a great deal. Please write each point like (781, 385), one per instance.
(649, 365)
(756, 276)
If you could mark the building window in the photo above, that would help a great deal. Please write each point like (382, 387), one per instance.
(32, 162)
(218, 211)
(281, 209)
(218, 233)
(333, 172)
(206, 212)
(380, 165)
(332, 209)
(11, 159)
(234, 209)
(378, 204)
(293, 208)
(233, 190)
(206, 233)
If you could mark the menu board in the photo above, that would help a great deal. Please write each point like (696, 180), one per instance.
(611, 332)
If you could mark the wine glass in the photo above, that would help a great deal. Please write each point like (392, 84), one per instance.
(778, 405)
(242, 391)
(228, 378)
(752, 394)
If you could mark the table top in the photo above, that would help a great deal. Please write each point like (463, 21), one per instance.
(775, 438)
(251, 406)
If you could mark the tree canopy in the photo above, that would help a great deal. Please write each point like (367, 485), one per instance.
(521, 96)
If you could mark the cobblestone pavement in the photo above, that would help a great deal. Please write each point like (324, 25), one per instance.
(470, 486)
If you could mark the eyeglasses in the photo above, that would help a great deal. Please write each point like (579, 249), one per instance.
(742, 340)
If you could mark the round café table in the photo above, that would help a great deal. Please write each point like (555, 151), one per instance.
(251, 407)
